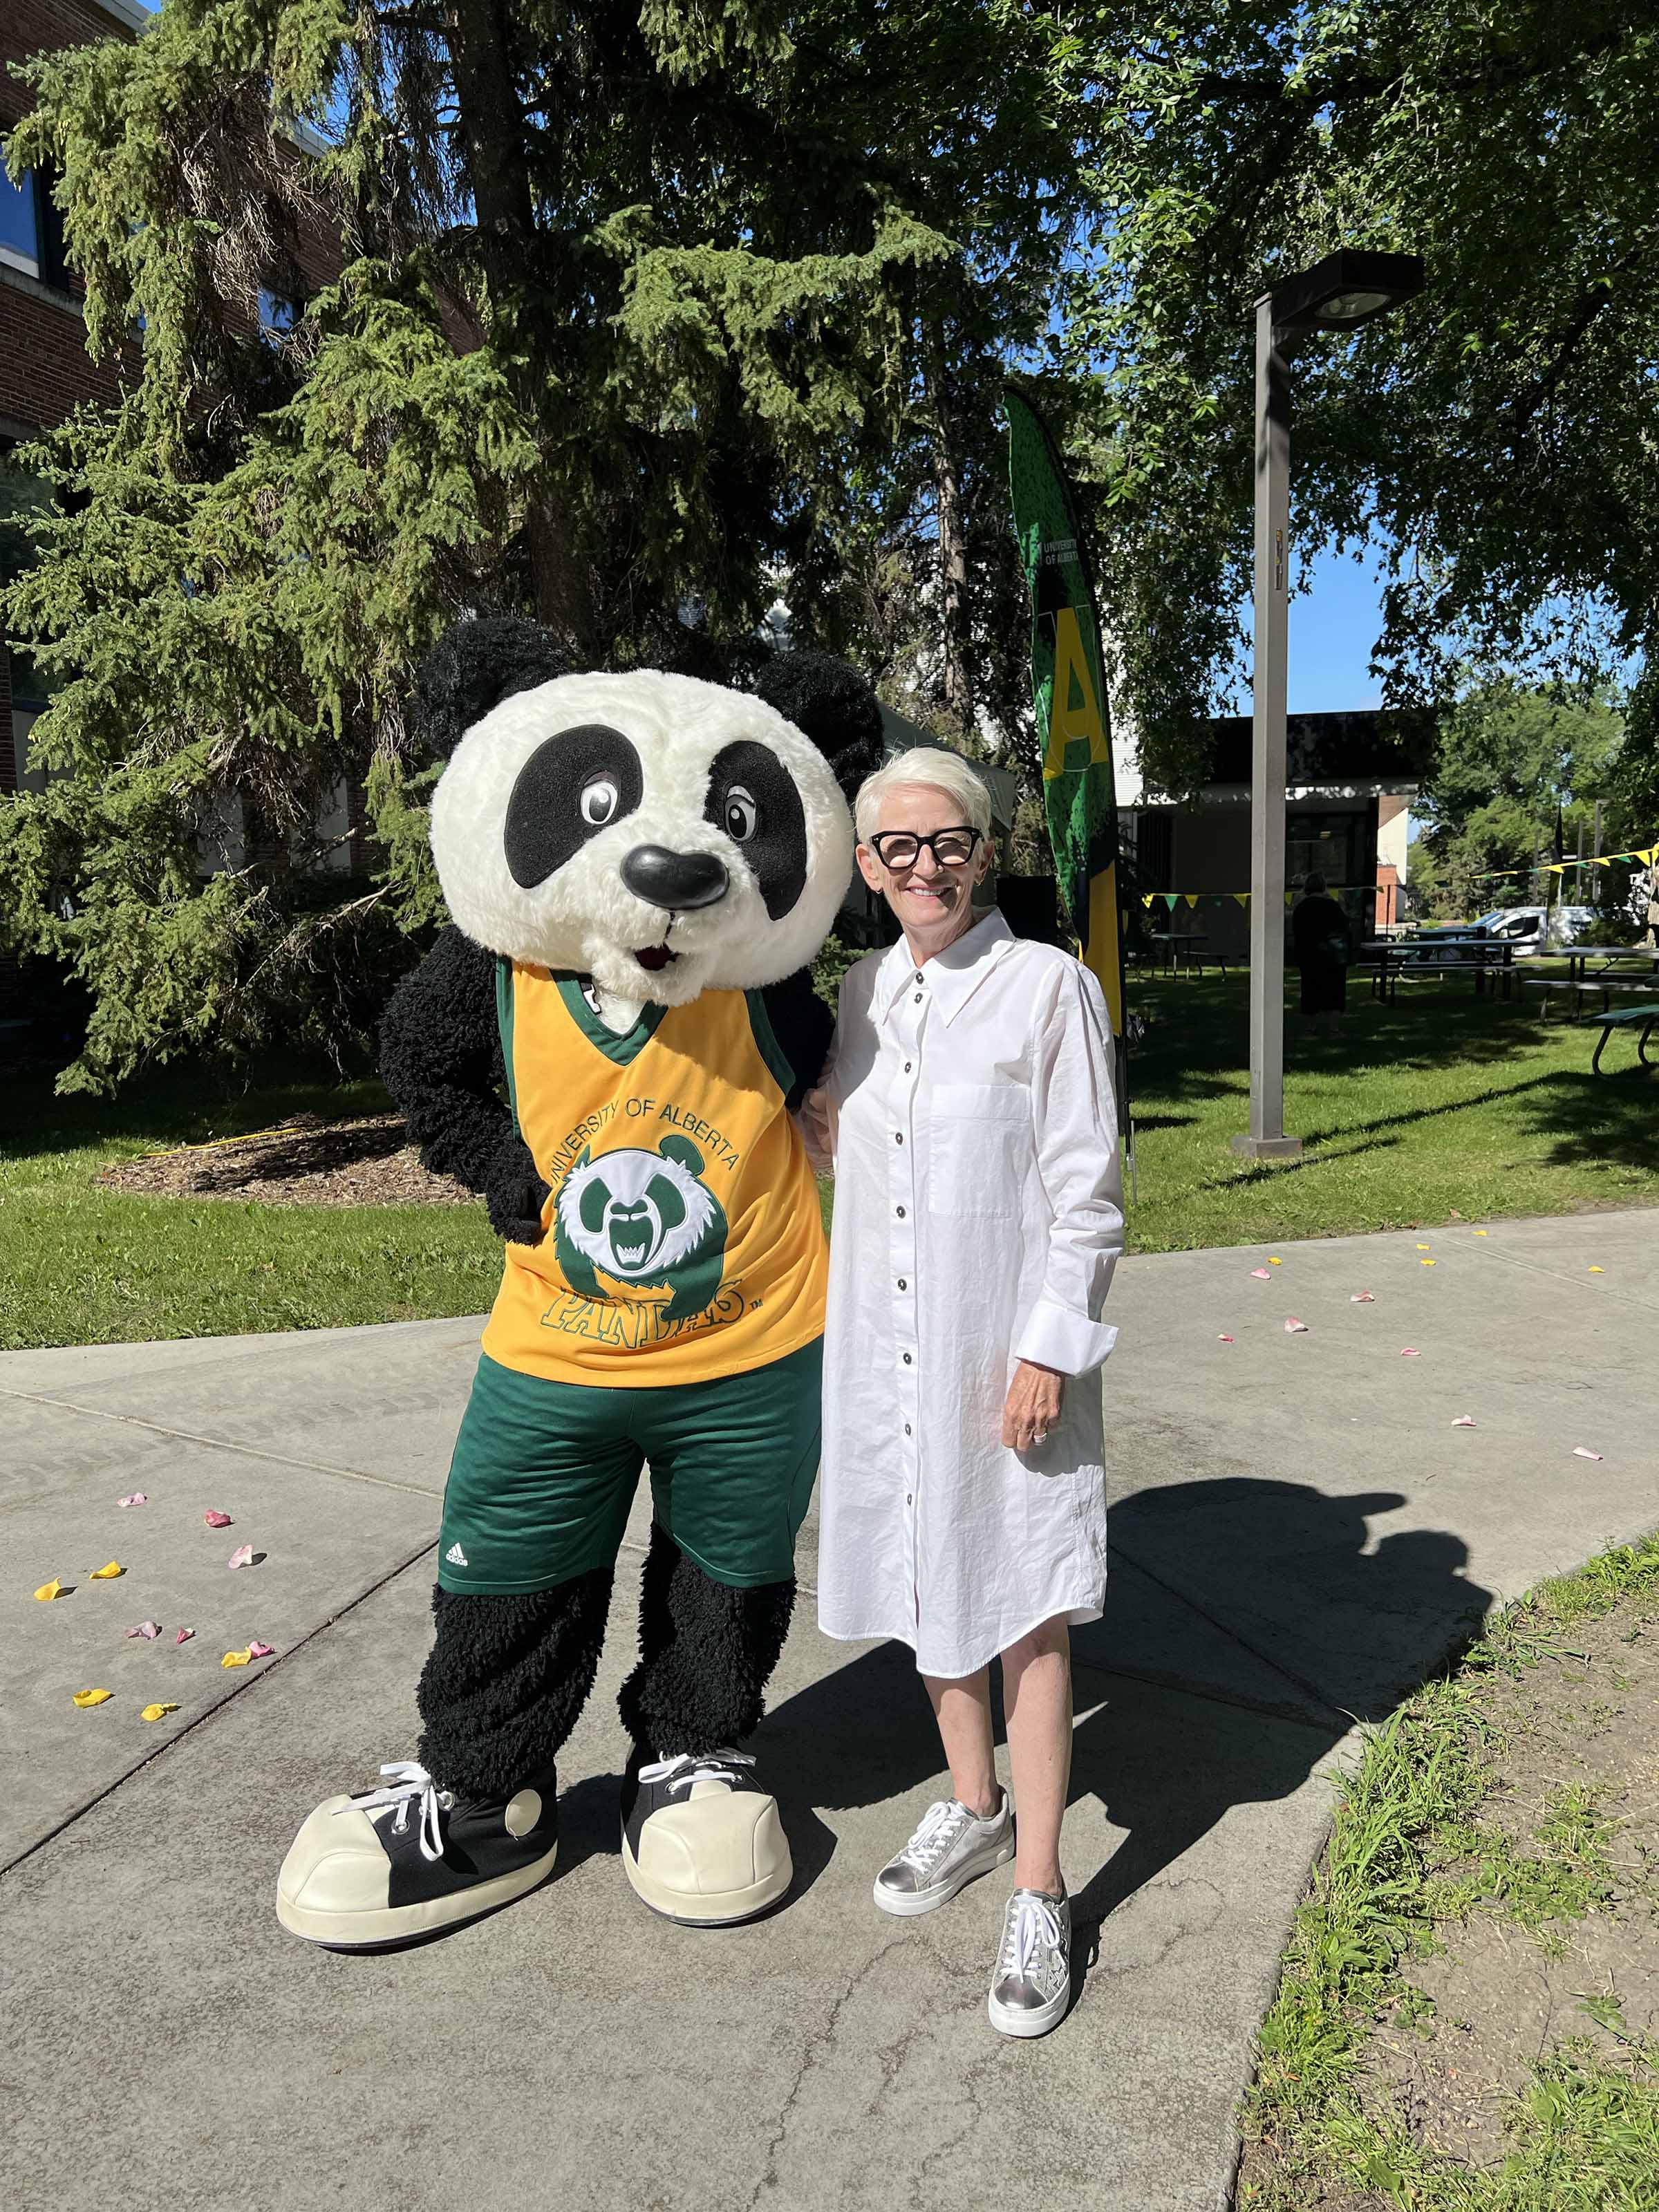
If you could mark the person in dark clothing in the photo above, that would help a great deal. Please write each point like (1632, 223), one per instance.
(1322, 946)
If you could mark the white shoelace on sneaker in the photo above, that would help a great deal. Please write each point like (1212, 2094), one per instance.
(941, 1825)
(683, 1768)
(1033, 1926)
(407, 1780)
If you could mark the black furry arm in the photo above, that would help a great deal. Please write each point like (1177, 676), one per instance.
(440, 1057)
(803, 1026)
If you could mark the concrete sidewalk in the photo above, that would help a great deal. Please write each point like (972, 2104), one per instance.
(1299, 1533)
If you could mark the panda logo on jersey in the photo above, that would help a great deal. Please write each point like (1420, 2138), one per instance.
(647, 1220)
(660, 835)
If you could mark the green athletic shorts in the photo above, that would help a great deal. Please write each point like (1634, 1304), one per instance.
(544, 1474)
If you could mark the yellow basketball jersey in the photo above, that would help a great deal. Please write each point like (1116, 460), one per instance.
(683, 1239)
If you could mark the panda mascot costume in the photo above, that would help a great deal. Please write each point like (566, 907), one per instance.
(606, 1044)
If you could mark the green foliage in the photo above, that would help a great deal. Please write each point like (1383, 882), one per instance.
(1515, 769)
(1498, 434)
(613, 318)
(1584, 2132)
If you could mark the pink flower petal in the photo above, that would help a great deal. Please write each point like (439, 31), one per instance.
(1580, 1452)
(149, 1630)
(1363, 1298)
(1410, 1351)
(257, 1650)
(137, 1498)
(242, 1556)
(1223, 1340)
(1295, 1328)
(183, 1636)
(217, 1520)
(1261, 1274)
(1464, 1421)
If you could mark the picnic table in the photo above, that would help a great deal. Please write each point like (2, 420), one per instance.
(1452, 953)
(1621, 969)
(1642, 1019)
(1181, 948)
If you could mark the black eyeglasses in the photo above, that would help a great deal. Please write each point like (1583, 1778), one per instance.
(901, 848)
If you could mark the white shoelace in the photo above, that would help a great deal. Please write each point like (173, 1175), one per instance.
(406, 1780)
(683, 1768)
(1033, 1926)
(941, 1824)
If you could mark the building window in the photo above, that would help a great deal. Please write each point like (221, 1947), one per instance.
(20, 224)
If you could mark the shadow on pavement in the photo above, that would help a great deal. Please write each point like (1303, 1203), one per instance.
(1348, 1631)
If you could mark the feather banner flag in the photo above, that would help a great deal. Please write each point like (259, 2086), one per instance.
(1069, 686)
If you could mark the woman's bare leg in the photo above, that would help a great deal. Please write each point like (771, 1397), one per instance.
(962, 1706)
(1037, 1688)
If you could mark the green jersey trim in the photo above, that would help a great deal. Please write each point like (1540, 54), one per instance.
(504, 1024)
(771, 1051)
(625, 1049)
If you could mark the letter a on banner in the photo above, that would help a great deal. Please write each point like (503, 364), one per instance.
(1067, 684)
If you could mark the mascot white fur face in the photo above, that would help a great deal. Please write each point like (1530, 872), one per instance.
(661, 835)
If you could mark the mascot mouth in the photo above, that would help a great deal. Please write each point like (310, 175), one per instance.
(655, 957)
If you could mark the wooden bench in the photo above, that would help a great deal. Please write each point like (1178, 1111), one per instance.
(1627, 1018)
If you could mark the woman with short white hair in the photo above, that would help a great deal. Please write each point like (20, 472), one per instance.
(967, 1109)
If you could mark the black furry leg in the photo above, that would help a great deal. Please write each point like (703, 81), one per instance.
(505, 1680)
(705, 1655)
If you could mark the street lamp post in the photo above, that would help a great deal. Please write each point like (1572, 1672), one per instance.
(1338, 294)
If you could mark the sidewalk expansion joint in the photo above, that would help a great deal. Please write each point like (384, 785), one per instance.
(1275, 1666)
(216, 1444)
(1555, 1275)
(234, 1690)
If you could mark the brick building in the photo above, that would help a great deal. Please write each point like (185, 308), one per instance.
(44, 372)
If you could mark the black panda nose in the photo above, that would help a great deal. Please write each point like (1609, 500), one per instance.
(675, 880)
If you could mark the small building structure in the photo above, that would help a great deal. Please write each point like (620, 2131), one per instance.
(1350, 779)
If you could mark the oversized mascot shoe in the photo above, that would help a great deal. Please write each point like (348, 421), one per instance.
(702, 1843)
(388, 1866)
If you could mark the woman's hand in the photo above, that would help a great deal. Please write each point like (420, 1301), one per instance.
(1031, 1407)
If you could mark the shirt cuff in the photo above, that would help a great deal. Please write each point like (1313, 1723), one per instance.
(1056, 1336)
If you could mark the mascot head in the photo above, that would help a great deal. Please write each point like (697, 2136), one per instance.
(661, 835)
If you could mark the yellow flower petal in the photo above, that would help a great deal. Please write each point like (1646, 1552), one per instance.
(236, 1658)
(157, 1712)
(1598, 1271)
(1275, 1263)
(1422, 1248)
(91, 1697)
(1425, 1263)
(107, 1574)
(47, 1591)
(1483, 1232)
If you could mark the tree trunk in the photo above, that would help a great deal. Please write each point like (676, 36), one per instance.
(481, 50)
(953, 537)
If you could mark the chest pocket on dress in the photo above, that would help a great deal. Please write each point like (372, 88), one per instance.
(979, 1139)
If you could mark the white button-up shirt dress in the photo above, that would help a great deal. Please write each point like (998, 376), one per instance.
(978, 1219)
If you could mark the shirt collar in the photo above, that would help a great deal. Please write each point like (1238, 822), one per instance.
(952, 977)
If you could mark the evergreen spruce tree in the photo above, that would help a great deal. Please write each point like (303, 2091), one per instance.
(627, 311)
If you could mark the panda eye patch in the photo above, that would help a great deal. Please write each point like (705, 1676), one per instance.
(753, 798)
(572, 786)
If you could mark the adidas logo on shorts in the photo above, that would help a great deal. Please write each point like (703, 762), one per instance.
(455, 1556)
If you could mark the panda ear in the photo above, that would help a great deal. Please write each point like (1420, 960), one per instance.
(473, 667)
(831, 703)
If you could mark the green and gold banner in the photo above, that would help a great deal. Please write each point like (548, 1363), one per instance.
(1068, 681)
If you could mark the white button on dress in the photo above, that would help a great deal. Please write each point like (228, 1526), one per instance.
(973, 1133)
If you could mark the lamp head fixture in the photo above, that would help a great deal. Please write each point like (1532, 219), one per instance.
(1346, 289)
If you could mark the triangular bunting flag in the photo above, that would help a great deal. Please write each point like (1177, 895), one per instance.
(1191, 897)
(1244, 897)
(1169, 898)
(1148, 899)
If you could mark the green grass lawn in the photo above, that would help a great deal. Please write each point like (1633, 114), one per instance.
(1444, 1102)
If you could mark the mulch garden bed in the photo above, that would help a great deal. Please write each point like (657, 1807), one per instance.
(307, 1162)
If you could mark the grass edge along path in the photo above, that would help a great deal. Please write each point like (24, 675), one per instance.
(1583, 2133)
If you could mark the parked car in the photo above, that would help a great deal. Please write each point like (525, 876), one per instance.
(1522, 925)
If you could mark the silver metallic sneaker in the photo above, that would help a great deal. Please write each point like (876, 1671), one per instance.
(951, 1848)
(1032, 1984)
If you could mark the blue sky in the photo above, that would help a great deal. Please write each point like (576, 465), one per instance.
(1333, 629)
